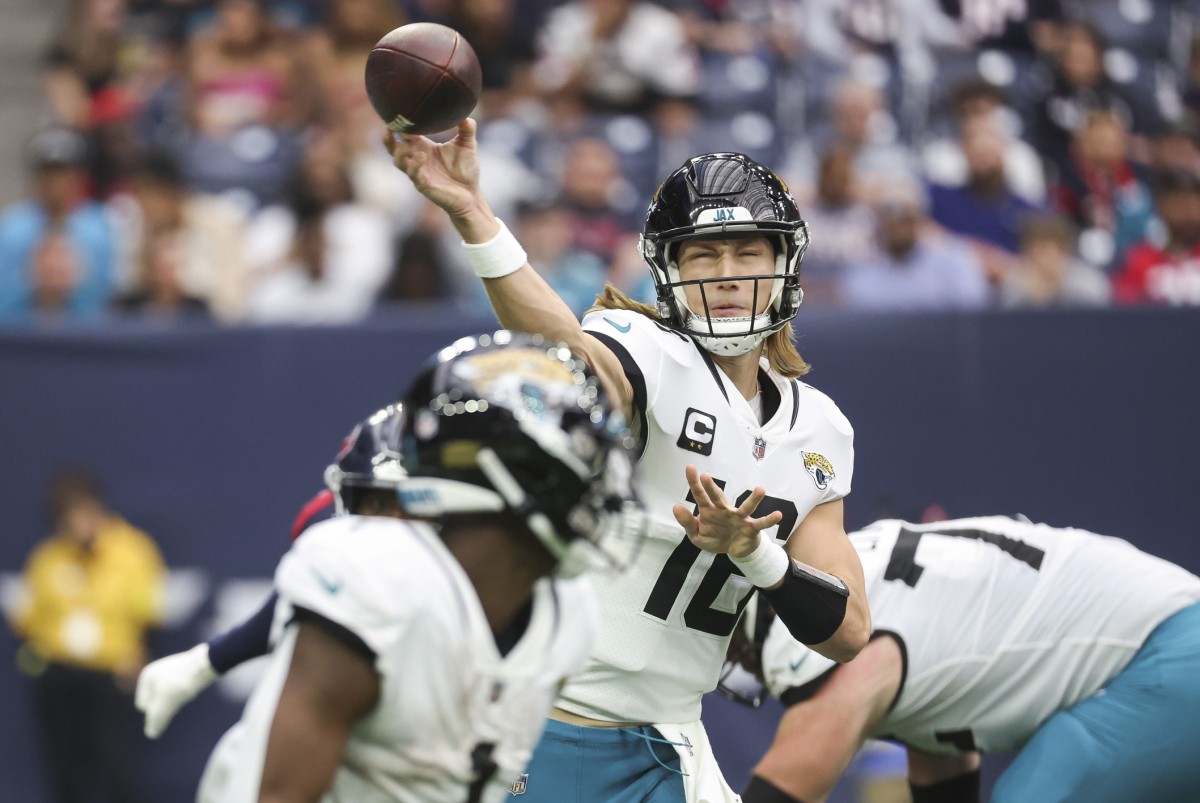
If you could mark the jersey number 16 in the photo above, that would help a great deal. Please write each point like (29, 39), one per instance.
(700, 613)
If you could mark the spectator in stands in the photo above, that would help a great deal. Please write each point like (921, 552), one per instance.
(58, 202)
(914, 268)
(200, 236)
(90, 591)
(1080, 85)
(86, 69)
(336, 53)
(1047, 272)
(1177, 146)
(160, 291)
(248, 93)
(54, 275)
(985, 210)
(979, 102)
(859, 121)
(1102, 190)
(615, 55)
(843, 228)
(324, 257)
(572, 272)
(503, 34)
(601, 204)
(1167, 274)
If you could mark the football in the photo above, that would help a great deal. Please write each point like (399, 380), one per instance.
(423, 78)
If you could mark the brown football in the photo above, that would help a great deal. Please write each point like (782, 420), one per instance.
(423, 78)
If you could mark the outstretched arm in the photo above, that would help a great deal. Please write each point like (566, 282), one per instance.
(448, 175)
(818, 737)
(166, 685)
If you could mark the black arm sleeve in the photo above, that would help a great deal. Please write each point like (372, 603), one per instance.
(959, 789)
(248, 640)
(810, 603)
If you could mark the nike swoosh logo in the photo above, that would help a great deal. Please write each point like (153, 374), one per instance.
(796, 664)
(326, 584)
(620, 327)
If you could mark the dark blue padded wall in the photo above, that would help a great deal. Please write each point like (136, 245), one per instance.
(212, 439)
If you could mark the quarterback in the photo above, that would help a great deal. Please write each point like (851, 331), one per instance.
(742, 467)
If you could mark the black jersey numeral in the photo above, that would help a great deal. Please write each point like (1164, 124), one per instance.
(484, 767)
(903, 566)
(700, 613)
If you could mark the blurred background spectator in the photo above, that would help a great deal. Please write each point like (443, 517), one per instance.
(914, 266)
(1167, 271)
(1047, 274)
(90, 592)
(56, 246)
(200, 118)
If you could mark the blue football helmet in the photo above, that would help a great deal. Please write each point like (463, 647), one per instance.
(510, 421)
(719, 195)
(370, 457)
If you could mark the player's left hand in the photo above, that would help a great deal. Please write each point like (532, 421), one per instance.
(718, 526)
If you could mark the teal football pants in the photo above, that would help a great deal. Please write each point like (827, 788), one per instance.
(1136, 740)
(572, 764)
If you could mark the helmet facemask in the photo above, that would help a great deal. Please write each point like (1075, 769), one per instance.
(722, 196)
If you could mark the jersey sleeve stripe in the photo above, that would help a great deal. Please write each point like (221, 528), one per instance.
(896, 637)
(637, 380)
(340, 632)
(805, 691)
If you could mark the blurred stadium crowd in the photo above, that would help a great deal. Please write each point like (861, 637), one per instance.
(219, 159)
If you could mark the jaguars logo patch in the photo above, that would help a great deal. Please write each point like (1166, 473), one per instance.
(819, 468)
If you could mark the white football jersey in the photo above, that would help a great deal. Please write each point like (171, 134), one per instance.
(667, 620)
(445, 690)
(1002, 622)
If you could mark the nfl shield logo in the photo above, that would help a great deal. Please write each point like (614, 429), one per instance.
(760, 448)
(520, 785)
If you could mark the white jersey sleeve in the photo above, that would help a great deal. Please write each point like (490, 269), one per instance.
(446, 691)
(666, 621)
(346, 586)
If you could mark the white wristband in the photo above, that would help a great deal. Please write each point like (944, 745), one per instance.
(498, 257)
(766, 565)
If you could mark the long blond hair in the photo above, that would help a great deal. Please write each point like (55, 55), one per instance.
(782, 354)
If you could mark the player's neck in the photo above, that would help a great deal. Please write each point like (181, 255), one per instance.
(502, 570)
(742, 370)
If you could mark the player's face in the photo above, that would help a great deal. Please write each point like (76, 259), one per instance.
(724, 261)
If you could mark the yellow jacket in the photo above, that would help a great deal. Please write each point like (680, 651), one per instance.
(92, 607)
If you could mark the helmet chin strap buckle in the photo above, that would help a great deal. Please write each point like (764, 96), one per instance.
(664, 310)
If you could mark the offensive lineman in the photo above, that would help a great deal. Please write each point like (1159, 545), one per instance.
(417, 664)
(738, 459)
(994, 635)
